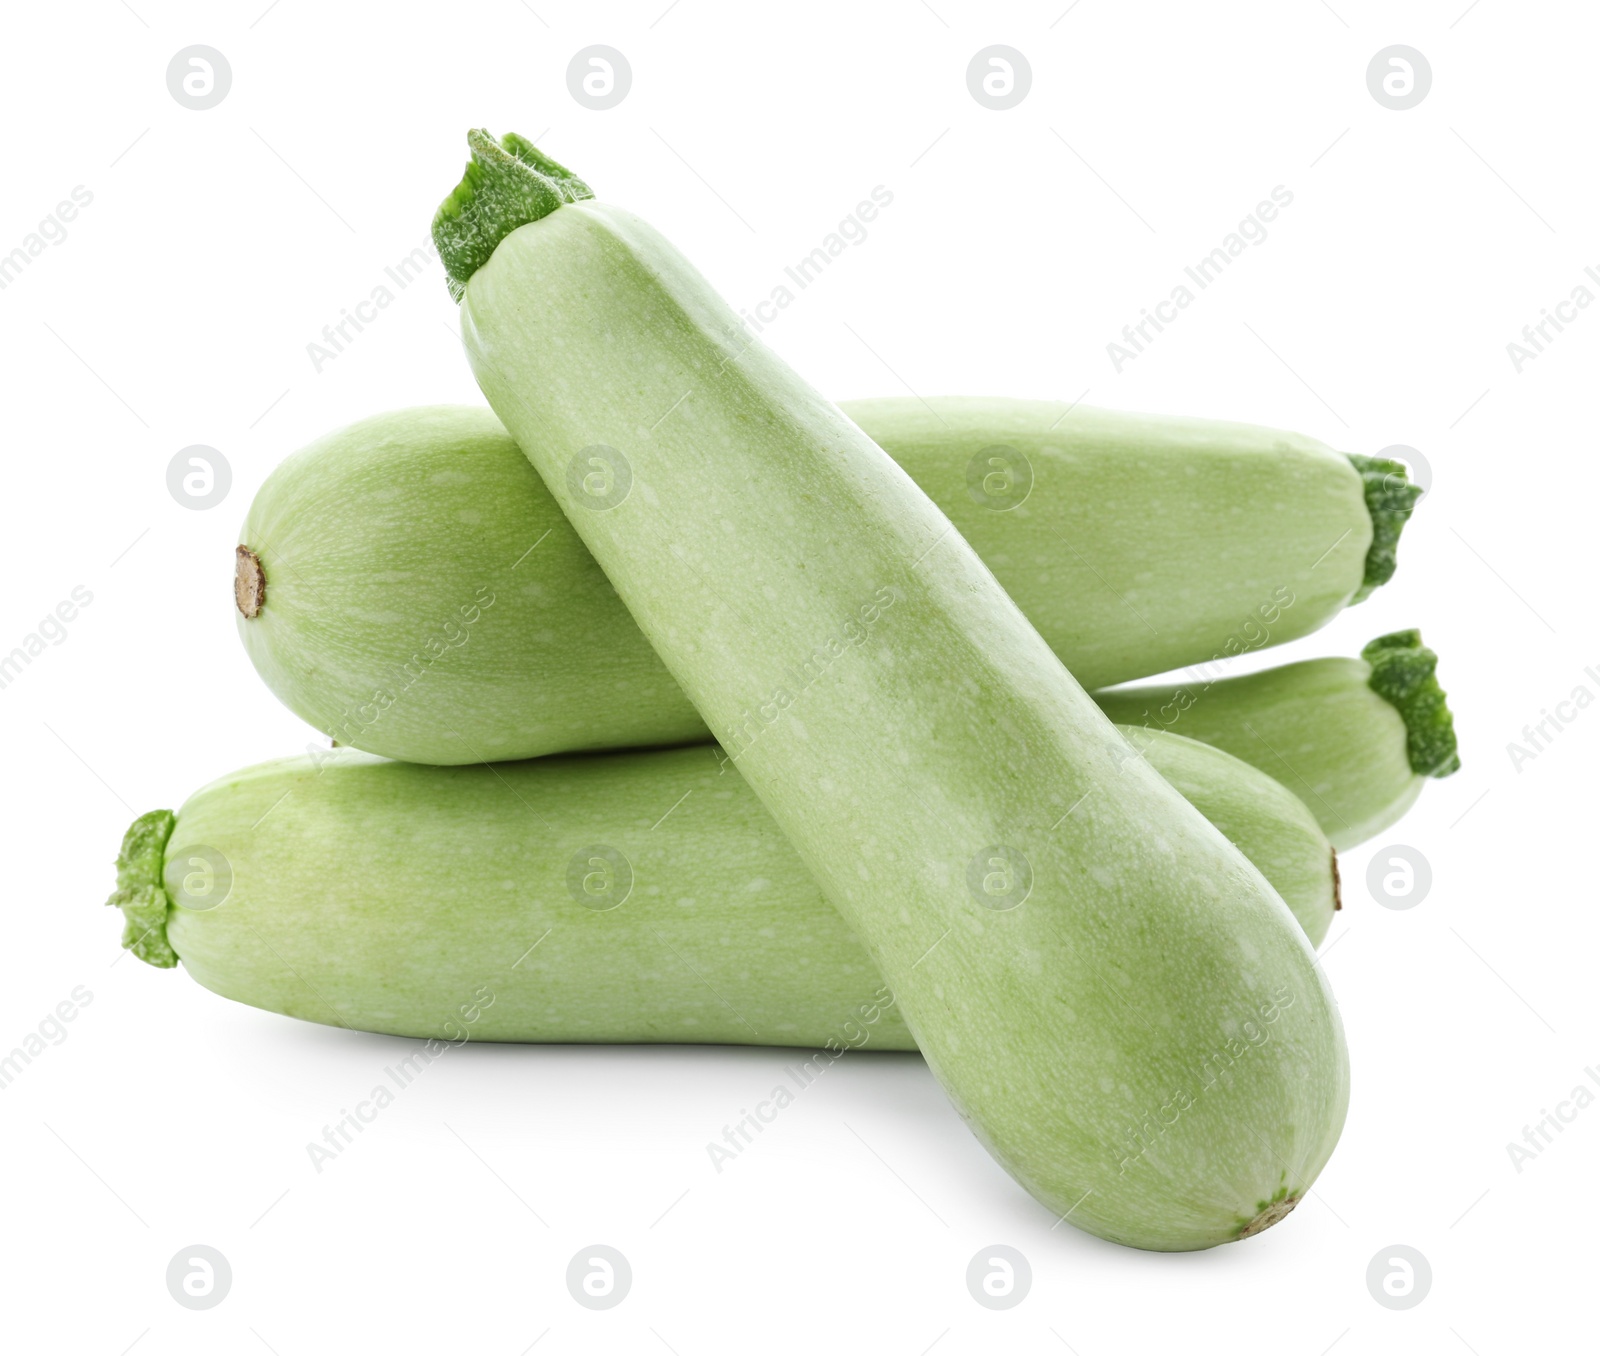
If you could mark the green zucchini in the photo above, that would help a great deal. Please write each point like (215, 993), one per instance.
(408, 586)
(408, 616)
(1150, 542)
(1075, 949)
(376, 895)
(1355, 738)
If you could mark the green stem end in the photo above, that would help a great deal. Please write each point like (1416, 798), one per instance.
(140, 894)
(507, 184)
(1403, 674)
(1390, 498)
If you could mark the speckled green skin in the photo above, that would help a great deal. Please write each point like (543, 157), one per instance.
(1355, 742)
(1144, 543)
(375, 895)
(907, 729)
(383, 541)
(1258, 815)
(427, 599)
(382, 895)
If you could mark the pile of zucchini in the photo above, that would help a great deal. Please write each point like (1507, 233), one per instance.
(676, 703)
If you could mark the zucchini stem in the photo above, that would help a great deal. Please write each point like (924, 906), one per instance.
(1390, 498)
(1281, 1204)
(249, 582)
(140, 894)
(1403, 674)
(507, 184)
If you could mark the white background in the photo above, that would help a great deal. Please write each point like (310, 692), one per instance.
(178, 310)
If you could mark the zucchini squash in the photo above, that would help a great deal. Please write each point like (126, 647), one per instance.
(1356, 739)
(611, 897)
(1073, 947)
(408, 586)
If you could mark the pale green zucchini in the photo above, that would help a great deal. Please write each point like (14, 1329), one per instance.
(408, 586)
(1075, 949)
(357, 892)
(415, 591)
(1149, 541)
(1354, 738)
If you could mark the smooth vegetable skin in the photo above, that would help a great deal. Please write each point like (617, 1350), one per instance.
(1356, 739)
(660, 901)
(1074, 948)
(406, 616)
(408, 586)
